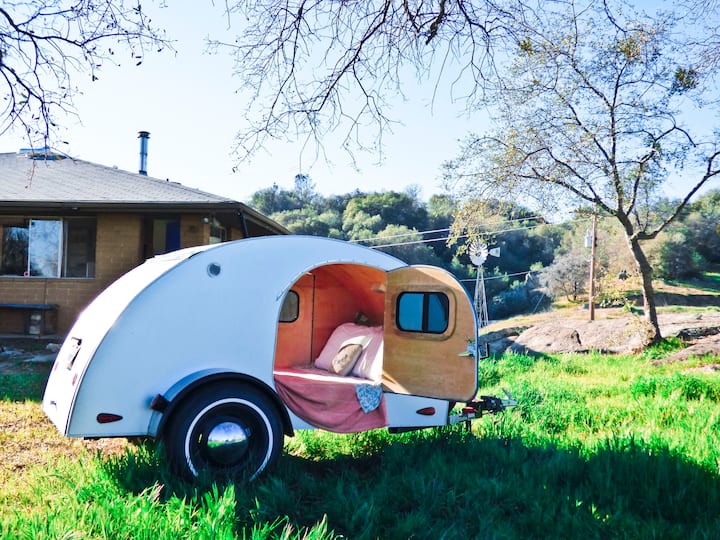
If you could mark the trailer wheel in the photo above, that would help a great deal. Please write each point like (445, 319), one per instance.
(224, 430)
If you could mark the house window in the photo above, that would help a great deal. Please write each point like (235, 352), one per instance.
(218, 233)
(44, 247)
(426, 312)
(15, 249)
(48, 247)
(166, 235)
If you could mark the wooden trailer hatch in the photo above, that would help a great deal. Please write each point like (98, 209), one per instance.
(428, 322)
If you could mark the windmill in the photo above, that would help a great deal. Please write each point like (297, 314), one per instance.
(478, 255)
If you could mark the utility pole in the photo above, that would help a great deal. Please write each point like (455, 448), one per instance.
(591, 289)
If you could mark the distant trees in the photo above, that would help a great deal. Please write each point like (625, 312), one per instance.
(536, 258)
(373, 212)
(686, 248)
(406, 244)
(399, 223)
(702, 223)
(677, 257)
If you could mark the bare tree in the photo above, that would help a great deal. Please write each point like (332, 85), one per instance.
(589, 109)
(312, 66)
(567, 275)
(45, 44)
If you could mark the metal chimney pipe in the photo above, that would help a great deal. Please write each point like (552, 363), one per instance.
(144, 136)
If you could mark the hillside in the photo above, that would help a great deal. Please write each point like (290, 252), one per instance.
(689, 312)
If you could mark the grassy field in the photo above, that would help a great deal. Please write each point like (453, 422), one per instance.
(600, 447)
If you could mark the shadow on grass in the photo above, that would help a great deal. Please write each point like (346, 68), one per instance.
(709, 282)
(451, 484)
(25, 366)
(22, 386)
(699, 300)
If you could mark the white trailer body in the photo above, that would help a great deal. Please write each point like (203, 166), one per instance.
(189, 347)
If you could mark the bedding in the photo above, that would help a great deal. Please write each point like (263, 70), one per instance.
(341, 392)
(332, 402)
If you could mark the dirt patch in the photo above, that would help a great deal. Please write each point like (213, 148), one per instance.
(706, 346)
(707, 368)
(619, 334)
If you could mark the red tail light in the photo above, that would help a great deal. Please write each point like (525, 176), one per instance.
(106, 418)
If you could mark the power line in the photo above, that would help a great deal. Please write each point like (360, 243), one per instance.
(399, 235)
(444, 238)
(503, 276)
(446, 229)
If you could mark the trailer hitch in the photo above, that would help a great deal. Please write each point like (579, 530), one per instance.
(484, 404)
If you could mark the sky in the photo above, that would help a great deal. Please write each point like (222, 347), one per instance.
(188, 103)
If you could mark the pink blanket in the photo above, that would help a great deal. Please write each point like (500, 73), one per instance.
(327, 401)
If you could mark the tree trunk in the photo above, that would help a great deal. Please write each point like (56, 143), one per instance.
(648, 292)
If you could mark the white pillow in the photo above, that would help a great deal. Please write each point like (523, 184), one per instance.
(345, 334)
(369, 365)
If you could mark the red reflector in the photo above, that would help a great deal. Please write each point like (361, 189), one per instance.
(74, 379)
(427, 411)
(159, 403)
(106, 418)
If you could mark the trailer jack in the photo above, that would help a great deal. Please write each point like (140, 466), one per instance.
(484, 404)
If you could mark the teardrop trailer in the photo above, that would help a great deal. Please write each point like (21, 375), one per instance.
(220, 351)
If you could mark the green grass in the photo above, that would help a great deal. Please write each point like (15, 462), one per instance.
(599, 447)
(708, 282)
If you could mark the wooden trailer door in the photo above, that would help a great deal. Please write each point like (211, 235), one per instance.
(428, 320)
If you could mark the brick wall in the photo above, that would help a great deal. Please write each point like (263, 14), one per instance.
(117, 250)
(118, 246)
(193, 232)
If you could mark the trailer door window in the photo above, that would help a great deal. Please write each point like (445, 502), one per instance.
(426, 312)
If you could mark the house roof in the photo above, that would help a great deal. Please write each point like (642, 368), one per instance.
(53, 182)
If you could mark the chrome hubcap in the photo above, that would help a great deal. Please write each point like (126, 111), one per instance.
(227, 442)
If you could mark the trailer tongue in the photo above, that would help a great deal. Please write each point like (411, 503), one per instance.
(485, 404)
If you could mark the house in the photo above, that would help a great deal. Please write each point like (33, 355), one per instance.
(69, 228)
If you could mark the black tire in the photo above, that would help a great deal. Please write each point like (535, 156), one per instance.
(224, 430)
